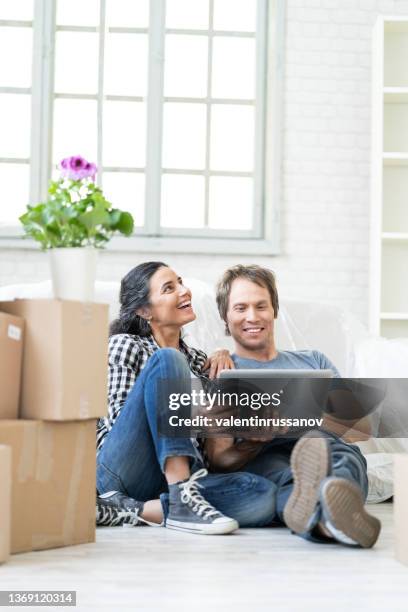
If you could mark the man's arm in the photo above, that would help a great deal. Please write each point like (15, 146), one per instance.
(347, 417)
(357, 430)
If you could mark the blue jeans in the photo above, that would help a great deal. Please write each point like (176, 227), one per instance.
(273, 463)
(133, 455)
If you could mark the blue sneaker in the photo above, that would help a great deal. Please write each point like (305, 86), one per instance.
(114, 508)
(190, 511)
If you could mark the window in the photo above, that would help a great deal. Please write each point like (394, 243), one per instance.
(16, 40)
(167, 96)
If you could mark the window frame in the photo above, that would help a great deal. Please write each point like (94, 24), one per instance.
(265, 238)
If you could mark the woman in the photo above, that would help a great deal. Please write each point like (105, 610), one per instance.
(142, 476)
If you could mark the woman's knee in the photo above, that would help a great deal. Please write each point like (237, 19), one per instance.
(171, 359)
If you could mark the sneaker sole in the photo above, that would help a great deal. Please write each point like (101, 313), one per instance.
(343, 506)
(310, 465)
(211, 529)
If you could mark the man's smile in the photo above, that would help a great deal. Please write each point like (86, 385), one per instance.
(253, 329)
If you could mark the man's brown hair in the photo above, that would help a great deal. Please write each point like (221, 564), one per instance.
(258, 275)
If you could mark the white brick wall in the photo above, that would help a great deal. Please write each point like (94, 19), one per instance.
(326, 157)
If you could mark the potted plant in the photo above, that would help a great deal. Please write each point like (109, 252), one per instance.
(73, 224)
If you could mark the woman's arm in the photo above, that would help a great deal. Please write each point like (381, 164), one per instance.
(125, 361)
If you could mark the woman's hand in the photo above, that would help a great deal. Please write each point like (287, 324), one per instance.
(219, 360)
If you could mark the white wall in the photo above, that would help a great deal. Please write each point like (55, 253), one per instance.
(326, 164)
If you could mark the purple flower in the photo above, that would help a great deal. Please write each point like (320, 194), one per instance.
(77, 168)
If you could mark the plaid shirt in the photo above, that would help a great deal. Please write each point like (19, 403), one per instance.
(128, 355)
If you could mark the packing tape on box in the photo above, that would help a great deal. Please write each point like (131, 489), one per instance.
(45, 458)
(84, 406)
(74, 485)
(25, 468)
(39, 540)
(87, 313)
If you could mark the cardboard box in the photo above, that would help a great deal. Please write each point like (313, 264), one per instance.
(53, 483)
(65, 359)
(401, 507)
(11, 354)
(5, 502)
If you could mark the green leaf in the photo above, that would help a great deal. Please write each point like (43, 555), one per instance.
(126, 224)
(92, 218)
(121, 222)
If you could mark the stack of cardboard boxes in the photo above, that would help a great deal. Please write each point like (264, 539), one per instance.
(53, 360)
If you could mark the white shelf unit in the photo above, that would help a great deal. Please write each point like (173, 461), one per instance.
(389, 180)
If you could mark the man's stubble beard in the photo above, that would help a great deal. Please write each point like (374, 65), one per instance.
(261, 346)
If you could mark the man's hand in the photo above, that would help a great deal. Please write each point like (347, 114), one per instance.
(226, 455)
(218, 361)
(272, 432)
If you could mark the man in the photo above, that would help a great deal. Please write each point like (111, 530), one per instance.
(321, 480)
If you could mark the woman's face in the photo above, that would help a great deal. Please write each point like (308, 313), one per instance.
(170, 300)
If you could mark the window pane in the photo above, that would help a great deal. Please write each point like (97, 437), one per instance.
(78, 12)
(182, 201)
(127, 13)
(15, 125)
(126, 190)
(21, 11)
(232, 137)
(75, 129)
(76, 63)
(184, 136)
(187, 14)
(124, 134)
(16, 45)
(126, 64)
(228, 54)
(237, 15)
(186, 66)
(14, 185)
(231, 203)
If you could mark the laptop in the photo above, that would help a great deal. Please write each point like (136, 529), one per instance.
(275, 373)
(300, 396)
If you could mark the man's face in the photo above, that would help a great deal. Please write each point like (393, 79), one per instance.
(250, 315)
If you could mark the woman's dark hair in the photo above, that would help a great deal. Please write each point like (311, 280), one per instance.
(134, 294)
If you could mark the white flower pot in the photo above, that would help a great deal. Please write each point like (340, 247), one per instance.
(73, 273)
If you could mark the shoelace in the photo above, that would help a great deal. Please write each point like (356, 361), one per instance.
(190, 495)
(108, 516)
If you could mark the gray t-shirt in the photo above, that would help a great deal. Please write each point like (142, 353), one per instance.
(289, 360)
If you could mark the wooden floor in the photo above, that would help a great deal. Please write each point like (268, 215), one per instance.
(155, 569)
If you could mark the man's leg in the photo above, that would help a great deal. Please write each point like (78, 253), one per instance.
(329, 507)
(299, 469)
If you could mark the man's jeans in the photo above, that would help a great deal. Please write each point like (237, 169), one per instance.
(273, 463)
(133, 455)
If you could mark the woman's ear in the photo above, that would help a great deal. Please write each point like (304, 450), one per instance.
(144, 312)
